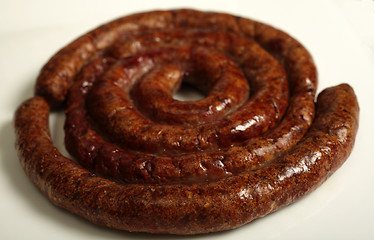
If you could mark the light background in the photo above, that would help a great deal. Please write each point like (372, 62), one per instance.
(340, 36)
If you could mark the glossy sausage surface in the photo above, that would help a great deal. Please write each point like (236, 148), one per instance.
(150, 163)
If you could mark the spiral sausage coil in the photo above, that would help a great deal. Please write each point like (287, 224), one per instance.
(146, 162)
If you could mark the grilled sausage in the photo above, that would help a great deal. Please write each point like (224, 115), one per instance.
(190, 208)
(149, 163)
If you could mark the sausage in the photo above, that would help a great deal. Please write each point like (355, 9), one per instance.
(148, 163)
(117, 116)
(58, 73)
(104, 157)
(190, 166)
(190, 208)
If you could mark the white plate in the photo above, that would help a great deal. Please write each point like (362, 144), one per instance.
(339, 34)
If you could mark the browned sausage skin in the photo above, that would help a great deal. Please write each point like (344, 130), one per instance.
(246, 172)
(58, 74)
(190, 208)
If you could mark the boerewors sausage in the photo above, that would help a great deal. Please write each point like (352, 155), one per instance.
(146, 162)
